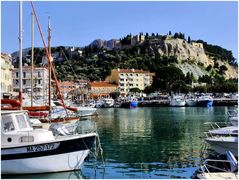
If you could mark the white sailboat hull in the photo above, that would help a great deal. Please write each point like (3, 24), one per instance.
(52, 163)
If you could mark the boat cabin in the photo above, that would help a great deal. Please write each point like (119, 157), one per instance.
(17, 129)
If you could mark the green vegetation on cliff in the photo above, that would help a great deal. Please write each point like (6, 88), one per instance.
(218, 52)
(95, 63)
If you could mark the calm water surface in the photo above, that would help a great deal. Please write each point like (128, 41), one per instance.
(158, 142)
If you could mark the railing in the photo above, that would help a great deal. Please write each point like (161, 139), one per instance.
(205, 167)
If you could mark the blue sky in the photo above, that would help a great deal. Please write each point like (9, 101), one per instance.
(78, 23)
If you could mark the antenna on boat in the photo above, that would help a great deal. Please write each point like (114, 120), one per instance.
(20, 53)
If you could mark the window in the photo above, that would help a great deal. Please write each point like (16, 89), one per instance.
(21, 121)
(7, 123)
(39, 74)
(16, 74)
(24, 82)
(24, 74)
(39, 81)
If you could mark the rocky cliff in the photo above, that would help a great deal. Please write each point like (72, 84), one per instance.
(192, 57)
(183, 50)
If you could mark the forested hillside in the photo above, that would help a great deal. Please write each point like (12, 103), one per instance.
(154, 53)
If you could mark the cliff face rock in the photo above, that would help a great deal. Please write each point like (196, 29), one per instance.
(192, 68)
(232, 72)
(183, 50)
(189, 55)
(103, 43)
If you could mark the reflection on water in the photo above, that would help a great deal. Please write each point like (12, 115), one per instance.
(60, 175)
(159, 142)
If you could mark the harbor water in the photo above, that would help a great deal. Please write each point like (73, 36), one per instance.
(142, 143)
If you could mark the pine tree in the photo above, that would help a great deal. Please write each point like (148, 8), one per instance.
(189, 39)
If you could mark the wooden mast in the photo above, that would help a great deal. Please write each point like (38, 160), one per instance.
(49, 68)
(32, 58)
(20, 54)
(49, 61)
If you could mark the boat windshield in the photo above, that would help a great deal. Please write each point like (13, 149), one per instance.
(21, 121)
(7, 124)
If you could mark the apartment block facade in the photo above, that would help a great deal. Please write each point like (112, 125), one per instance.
(6, 73)
(127, 79)
(40, 80)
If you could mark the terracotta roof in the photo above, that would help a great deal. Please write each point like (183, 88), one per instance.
(99, 94)
(102, 84)
(66, 83)
(131, 71)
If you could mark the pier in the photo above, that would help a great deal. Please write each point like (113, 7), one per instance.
(165, 103)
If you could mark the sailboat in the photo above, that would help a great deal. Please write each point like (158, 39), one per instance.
(25, 150)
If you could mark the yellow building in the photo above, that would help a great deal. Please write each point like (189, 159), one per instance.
(6, 73)
(127, 79)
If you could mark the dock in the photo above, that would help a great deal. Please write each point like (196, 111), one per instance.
(165, 103)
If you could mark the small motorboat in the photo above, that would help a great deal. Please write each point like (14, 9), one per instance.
(177, 101)
(25, 150)
(108, 102)
(191, 102)
(230, 131)
(222, 139)
(221, 144)
(205, 101)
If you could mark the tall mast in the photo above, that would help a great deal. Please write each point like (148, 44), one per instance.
(20, 54)
(49, 58)
(49, 51)
(32, 58)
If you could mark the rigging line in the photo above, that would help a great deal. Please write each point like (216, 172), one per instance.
(49, 60)
(69, 63)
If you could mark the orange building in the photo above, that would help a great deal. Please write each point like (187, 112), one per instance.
(102, 89)
(66, 87)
